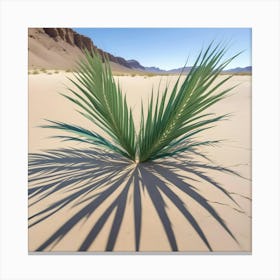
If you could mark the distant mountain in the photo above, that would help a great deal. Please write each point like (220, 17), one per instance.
(240, 69)
(179, 70)
(154, 69)
(135, 64)
(187, 69)
(172, 71)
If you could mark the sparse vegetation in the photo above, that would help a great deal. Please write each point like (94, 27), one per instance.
(143, 74)
(35, 72)
(237, 73)
(118, 74)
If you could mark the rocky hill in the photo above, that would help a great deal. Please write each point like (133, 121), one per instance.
(59, 48)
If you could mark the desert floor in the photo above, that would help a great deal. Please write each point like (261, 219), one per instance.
(62, 221)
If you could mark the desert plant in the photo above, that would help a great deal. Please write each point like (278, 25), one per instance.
(102, 102)
(170, 123)
(168, 126)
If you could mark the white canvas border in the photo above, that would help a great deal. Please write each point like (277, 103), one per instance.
(262, 16)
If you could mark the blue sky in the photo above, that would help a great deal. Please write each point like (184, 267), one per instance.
(169, 48)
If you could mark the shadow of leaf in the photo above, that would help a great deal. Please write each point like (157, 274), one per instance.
(89, 178)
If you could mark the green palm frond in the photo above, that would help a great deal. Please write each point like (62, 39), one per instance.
(101, 101)
(169, 123)
(85, 136)
(86, 179)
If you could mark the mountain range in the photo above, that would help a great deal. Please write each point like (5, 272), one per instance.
(60, 48)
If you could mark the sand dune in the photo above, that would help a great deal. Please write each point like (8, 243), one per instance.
(235, 152)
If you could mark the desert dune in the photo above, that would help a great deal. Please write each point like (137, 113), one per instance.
(233, 152)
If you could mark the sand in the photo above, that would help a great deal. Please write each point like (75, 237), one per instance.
(45, 102)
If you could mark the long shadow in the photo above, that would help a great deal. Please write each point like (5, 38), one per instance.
(91, 179)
